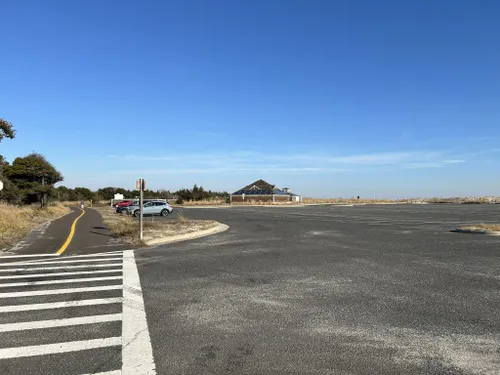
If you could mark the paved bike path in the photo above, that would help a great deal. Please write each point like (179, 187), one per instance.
(90, 236)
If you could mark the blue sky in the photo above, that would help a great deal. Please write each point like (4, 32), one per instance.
(332, 98)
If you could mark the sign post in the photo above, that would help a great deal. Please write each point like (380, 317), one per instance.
(141, 185)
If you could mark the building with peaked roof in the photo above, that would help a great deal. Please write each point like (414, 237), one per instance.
(262, 191)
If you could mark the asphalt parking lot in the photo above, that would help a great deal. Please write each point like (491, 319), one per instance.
(328, 290)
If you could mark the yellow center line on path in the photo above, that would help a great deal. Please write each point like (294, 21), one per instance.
(71, 234)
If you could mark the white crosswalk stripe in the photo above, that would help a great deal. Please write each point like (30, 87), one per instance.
(87, 305)
(85, 266)
(61, 347)
(48, 292)
(9, 327)
(46, 275)
(63, 281)
(60, 305)
(59, 261)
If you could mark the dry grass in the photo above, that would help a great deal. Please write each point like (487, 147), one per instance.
(127, 229)
(248, 202)
(120, 225)
(204, 202)
(350, 201)
(454, 200)
(463, 200)
(252, 202)
(165, 229)
(17, 221)
(87, 204)
(481, 228)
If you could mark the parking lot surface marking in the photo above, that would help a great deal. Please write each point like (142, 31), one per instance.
(47, 327)
(136, 348)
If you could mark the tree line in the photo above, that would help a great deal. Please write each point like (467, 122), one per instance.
(32, 179)
(63, 193)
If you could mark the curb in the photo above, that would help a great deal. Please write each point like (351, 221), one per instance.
(189, 236)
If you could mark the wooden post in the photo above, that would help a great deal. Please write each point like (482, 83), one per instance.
(141, 205)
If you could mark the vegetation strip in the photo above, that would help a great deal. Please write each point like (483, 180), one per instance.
(17, 221)
(156, 230)
(492, 229)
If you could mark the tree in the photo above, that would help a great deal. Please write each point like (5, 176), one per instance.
(107, 193)
(195, 193)
(62, 193)
(34, 176)
(3, 164)
(84, 193)
(6, 130)
(10, 192)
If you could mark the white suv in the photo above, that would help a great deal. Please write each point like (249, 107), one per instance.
(152, 208)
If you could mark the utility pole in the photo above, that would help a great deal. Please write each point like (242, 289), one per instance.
(141, 219)
(141, 185)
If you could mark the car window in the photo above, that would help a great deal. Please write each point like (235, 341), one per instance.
(149, 204)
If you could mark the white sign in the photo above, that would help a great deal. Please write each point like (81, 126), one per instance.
(1, 185)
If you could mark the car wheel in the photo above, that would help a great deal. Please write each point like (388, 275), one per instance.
(164, 213)
(137, 213)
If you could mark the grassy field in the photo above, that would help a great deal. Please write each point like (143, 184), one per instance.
(86, 203)
(348, 201)
(16, 222)
(455, 200)
(127, 229)
(204, 202)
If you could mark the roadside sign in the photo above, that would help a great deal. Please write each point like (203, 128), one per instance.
(1, 185)
(140, 184)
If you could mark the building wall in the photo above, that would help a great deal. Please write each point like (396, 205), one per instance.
(257, 198)
(251, 198)
(282, 198)
(260, 198)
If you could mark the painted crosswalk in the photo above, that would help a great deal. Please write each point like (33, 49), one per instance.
(70, 315)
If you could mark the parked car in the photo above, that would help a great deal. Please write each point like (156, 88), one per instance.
(122, 203)
(152, 208)
(124, 207)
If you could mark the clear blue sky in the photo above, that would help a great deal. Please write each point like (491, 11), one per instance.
(330, 98)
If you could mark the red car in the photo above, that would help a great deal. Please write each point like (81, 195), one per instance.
(123, 206)
(122, 203)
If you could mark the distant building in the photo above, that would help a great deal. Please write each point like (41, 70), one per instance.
(262, 191)
(118, 196)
